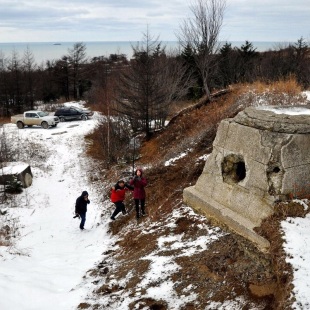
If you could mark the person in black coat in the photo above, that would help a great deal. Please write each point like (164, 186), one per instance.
(81, 207)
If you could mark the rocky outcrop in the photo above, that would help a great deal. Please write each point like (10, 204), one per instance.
(259, 157)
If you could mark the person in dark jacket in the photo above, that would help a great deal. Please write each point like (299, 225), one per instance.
(118, 192)
(81, 207)
(139, 183)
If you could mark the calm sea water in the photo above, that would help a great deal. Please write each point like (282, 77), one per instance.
(43, 51)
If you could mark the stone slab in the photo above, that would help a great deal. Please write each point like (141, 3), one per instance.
(225, 216)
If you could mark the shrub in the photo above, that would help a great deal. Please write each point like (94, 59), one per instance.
(14, 186)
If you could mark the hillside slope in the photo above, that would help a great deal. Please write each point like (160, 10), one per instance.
(176, 259)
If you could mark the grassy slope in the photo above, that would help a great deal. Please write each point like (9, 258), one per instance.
(230, 268)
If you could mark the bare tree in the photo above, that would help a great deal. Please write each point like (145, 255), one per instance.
(115, 129)
(62, 77)
(201, 32)
(15, 82)
(4, 96)
(149, 85)
(246, 62)
(301, 61)
(29, 67)
(77, 57)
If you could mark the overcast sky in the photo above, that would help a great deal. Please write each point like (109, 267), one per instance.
(126, 20)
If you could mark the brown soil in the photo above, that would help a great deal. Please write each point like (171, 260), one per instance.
(230, 267)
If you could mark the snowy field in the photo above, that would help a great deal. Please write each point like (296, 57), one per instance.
(45, 266)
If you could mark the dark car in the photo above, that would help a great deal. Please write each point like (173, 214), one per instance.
(72, 113)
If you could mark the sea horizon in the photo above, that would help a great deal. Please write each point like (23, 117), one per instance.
(54, 50)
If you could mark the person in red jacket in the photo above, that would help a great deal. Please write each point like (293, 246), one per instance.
(139, 182)
(118, 192)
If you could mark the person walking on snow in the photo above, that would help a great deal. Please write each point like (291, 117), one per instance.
(81, 207)
(139, 183)
(118, 193)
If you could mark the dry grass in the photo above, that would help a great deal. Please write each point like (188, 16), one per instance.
(94, 148)
(231, 267)
(5, 120)
(288, 86)
(4, 238)
(176, 107)
(8, 230)
(282, 92)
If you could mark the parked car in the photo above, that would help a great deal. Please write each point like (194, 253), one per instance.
(72, 113)
(31, 118)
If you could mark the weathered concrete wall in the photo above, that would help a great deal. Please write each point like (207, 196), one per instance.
(258, 157)
(19, 169)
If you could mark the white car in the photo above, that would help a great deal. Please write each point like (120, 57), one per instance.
(38, 118)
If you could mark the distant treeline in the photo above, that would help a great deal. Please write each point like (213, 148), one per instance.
(112, 80)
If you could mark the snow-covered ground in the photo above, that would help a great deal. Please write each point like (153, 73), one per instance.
(44, 268)
(297, 247)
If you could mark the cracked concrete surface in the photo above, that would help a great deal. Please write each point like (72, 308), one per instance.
(258, 157)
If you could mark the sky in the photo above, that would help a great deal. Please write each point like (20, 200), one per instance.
(127, 20)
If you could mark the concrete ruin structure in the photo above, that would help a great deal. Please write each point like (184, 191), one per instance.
(259, 157)
(20, 170)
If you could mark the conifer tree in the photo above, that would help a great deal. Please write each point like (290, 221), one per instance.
(151, 82)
